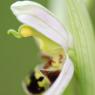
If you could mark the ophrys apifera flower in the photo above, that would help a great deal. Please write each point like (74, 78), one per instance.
(56, 71)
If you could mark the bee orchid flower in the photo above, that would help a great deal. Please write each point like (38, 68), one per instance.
(56, 71)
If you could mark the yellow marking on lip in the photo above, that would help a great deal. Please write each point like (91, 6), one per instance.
(44, 83)
(38, 74)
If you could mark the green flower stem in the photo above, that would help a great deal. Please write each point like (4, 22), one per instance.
(91, 8)
(80, 26)
(88, 2)
(84, 44)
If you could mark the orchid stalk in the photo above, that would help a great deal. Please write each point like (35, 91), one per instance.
(79, 24)
(54, 43)
(88, 2)
(91, 9)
